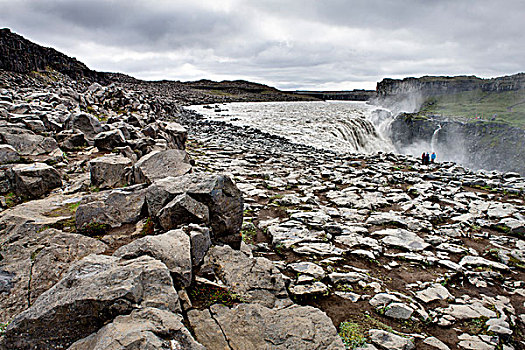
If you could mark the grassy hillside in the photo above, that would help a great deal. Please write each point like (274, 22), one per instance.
(506, 106)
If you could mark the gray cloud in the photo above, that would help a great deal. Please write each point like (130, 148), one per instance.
(289, 44)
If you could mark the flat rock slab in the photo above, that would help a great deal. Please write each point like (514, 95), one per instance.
(253, 326)
(404, 239)
(160, 164)
(435, 292)
(389, 341)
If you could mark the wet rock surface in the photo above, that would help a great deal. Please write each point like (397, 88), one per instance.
(160, 227)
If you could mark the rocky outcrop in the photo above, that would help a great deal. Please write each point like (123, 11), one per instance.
(22, 56)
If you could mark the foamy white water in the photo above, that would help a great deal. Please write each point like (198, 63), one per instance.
(339, 126)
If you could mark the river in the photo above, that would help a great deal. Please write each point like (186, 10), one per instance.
(346, 127)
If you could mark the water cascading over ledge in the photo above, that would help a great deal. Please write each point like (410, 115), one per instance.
(342, 127)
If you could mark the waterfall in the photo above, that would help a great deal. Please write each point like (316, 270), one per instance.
(433, 142)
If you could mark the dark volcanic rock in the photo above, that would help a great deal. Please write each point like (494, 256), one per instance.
(34, 180)
(218, 193)
(159, 164)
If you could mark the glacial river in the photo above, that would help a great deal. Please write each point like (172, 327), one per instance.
(346, 127)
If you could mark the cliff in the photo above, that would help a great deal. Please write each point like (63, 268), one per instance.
(431, 86)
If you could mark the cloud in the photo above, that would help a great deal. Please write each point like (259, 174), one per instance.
(293, 44)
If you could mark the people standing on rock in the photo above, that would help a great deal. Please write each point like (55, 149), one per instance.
(423, 158)
(433, 157)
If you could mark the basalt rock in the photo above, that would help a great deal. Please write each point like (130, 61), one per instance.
(110, 171)
(147, 329)
(94, 291)
(160, 164)
(217, 192)
(33, 180)
(253, 326)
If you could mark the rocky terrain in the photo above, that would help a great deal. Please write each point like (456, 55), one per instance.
(127, 222)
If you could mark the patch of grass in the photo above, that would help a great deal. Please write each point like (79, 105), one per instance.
(352, 334)
(94, 229)
(476, 326)
(3, 327)
(203, 296)
(148, 228)
(475, 106)
(248, 233)
(10, 199)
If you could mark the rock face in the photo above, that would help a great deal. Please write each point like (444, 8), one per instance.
(504, 141)
(253, 326)
(254, 280)
(23, 56)
(94, 291)
(172, 248)
(222, 198)
(149, 328)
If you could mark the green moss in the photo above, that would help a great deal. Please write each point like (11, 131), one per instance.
(148, 228)
(10, 199)
(476, 326)
(3, 327)
(248, 233)
(94, 229)
(203, 296)
(352, 334)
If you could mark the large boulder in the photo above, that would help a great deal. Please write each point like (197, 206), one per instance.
(25, 142)
(173, 248)
(253, 326)
(160, 164)
(95, 290)
(8, 154)
(109, 140)
(218, 192)
(34, 260)
(255, 280)
(183, 209)
(86, 123)
(118, 207)
(146, 329)
(175, 134)
(34, 180)
(110, 171)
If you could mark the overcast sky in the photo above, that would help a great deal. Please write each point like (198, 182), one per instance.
(290, 44)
